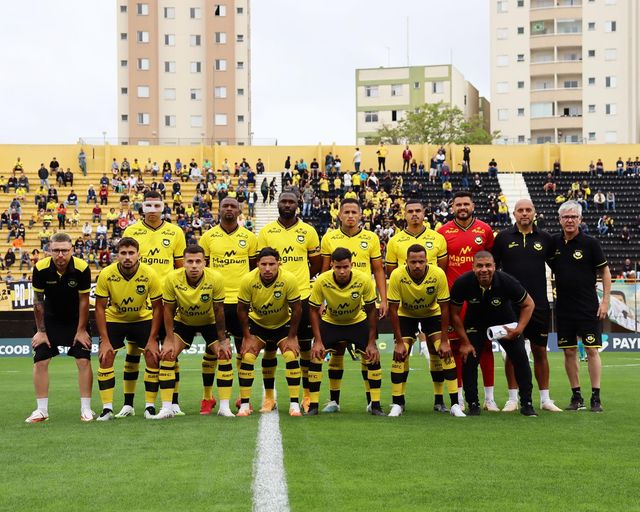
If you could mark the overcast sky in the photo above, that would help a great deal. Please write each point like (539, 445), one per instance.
(59, 62)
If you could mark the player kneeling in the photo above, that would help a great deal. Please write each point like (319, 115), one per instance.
(193, 299)
(349, 317)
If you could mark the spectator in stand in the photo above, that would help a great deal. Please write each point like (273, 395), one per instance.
(592, 169)
(602, 226)
(101, 230)
(629, 168)
(87, 230)
(91, 195)
(35, 256)
(447, 190)
(54, 165)
(620, 166)
(273, 190)
(407, 155)
(308, 195)
(43, 176)
(68, 178)
(611, 201)
(625, 234)
(13, 233)
(629, 270)
(477, 184)
(599, 167)
(259, 169)
(550, 184)
(557, 169)
(599, 200)
(9, 258)
(493, 168)
(72, 199)
(23, 181)
(445, 172)
(503, 213)
(382, 156)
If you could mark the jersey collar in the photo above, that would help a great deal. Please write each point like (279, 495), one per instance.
(151, 228)
(125, 277)
(229, 232)
(350, 236)
(462, 227)
(342, 287)
(290, 227)
(418, 235)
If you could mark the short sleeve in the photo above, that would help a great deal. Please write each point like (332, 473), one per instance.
(293, 291)
(457, 291)
(599, 259)
(393, 291)
(443, 286)
(253, 246)
(325, 248)
(392, 256)
(496, 250)
(244, 292)
(368, 291)
(155, 289)
(490, 239)
(85, 281)
(515, 290)
(181, 245)
(374, 249)
(262, 239)
(102, 289)
(169, 290)
(204, 243)
(313, 242)
(218, 288)
(441, 245)
(316, 293)
(37, 280)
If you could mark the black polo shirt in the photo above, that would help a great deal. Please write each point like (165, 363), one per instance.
(523, 256)
(575, 263)
(491, 306)
(61, 292)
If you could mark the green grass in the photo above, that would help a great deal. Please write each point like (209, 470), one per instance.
(347, 461)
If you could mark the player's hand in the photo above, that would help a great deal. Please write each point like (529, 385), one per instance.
(372, 354)
(465, 350)
(249, 344)
(40, 338)
(318, 351)
(105, 351)
(445, 350)
(400, 352)
(291, 343)
(224, 349)
(512, 334)
(168, 348)
(603, 310)
(384, 308)
(154, 349)
(83, 338)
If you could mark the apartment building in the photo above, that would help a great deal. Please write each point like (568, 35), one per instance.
(384, 95)
(565, 71)
(183, 72)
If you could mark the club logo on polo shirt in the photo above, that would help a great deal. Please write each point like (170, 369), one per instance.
(140, 289)
(355, 295)
(364, 244)
(429, 245)
(513, 244)
(72, 283)
(277, 294)
(496, 302)
(205, 297)
(166, 242)
(577, 254)
(242, 243)
(431, 289)
(478, 240)
(590, 338)
(537, 246)
(300, 239)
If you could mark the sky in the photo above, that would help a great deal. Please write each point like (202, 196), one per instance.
(59, 63)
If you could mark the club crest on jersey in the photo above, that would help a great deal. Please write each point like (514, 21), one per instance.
(431, 289)
(537, 246)
(364, 244)
(72, 283)
(577, 254)
(242, 243)
(590, 338)
(355, 295)
(429, 245)
(300, 239)
(166, 242)
(496, 302)
(205, 297)
(140, 289)
(478, 240)
(277, 295)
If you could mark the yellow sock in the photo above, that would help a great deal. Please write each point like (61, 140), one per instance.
(374, 376)
(209, 364)
(131, 372)
(292, 374)
(176, 383)
(166, 379)
(246, 374)
(397, 379)
(225, 378)
(315, 380)
(151, 385)
(106, 383)
(305, 356)
(269, 365)
(435, 365)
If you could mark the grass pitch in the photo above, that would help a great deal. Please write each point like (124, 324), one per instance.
(341, 462)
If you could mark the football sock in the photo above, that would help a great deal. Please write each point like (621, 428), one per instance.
(151, 385)
(209, 365)
(488, 392)
(176, 385)
(315, 380)
(305, 357)
(246, 374)
(85, 402)
(42, 404)
(292, 374)
(225, 379)
(166, 381)
(513, 394)
(269, 365)
(437, 376)
(364, 370)
(397, 378)
(544, 395)
(576, 392)
(336, 371)
(131, 372)
(106, 383)
(374, 378)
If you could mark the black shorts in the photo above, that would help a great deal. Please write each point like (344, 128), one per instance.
(186, 333)
(537, 330)
(305, 334)
(134, 332)
(231, 322)
(61, 335)
(356, 334)
(570, 329)
(410, 326)
(271, 337)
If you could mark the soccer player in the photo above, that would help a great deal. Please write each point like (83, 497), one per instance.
(123, 291)
(231, 249)
(269, 312)
(349, 316)
(299, 247)
(193, 299)
(419, 302)
(577, 261)
(162, 247)
(522, 252)
(466, 236)
(489, 295)
(61, 285)
(367, 258)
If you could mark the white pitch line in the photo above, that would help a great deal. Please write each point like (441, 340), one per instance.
(270, 491)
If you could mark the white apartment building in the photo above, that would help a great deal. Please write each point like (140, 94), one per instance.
(565, 71)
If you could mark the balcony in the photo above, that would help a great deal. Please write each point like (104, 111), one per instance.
(546, 40)
(556, 122)
(563, 94)
(556, 11)
(553, 67)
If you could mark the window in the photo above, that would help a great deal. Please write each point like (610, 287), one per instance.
(520, 31)
(195, 13)
(142, 36)
(195, 94)
(370, 117)
(416, 85)
(195, 67)
(503, 6)
(123, 36)
(240, 92)
(220, 120)
(196, 121)
(521, 139)
(570, 84)
(169, 66)
(520, 112)
(142, 9)
(569, 26)
(541, 110)
(437, 87)
(124, 118)
(240, 65)
(611, 137)
(170, 94)
(610, 82)
(591, 53)
(143, 64)
(239, 38)
(123, 63)
(503, 114)
(592, 136)
(169, 13)
(239, 10)
(502, 87)
(219, 10)
(502, 33)
(610, 54)
(195, 39)
(591, 109)
(394, 115)
(520, 84)
(143, 91)
(520, 3)
(123, 9)
(502, 61)
(591, 80)
(221, 37)
(143, 118)
(240, 119)
(520, 57)
(124, 90)
(610, 109)
(169, 39)
(170, 121)
(220, 92)
(609, 26)
(371, 91)
(221, 65)
(591, 26)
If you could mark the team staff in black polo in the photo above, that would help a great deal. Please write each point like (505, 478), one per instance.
(522, 252)
(577, 262)
(489, 295)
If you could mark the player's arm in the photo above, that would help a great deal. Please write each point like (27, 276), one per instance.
(82, 335)
(101, 323)
(168, 312)
(381, 284)
(400, 351)
(443, 261)
(179, 263)
(326, 263)
(315, 264)
(156, 321)
(253, 262)
(249, 342)
(317, 350)
(445, 347)
(40, 337)
(291, 343)
(224, 347)
(526, 310)
(605, 274)
(466, 347)
(390, 267)
(372, 354)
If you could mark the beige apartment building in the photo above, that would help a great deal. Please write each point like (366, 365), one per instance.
(565, 71)
(384, 95)
(183, 72)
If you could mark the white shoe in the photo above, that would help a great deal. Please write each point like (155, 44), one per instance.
(549, 405)
(87, 415)
(164, 414)
(369, 407)
(105, 415)
(332, 406)
(37, 416)
(510, 406)
(462, 407)
(149, 413)
(226, 412)
(176, 410)
(396, 410)
(126, 410)
(456, 410)
(491, 405)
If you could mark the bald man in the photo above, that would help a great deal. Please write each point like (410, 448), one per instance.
(522, 251)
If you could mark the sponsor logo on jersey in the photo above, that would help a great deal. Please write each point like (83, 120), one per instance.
(343, 305)
(228, 254)
(193, 307)
(465, 250)
(287, 250)
(140, 289)
(126, 301)
(537, 246)
(496, 301)
(577, 254)
(153, 251)
(513, 244)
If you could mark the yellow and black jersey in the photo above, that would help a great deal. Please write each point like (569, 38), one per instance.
(295, 245)
(195, 303)
(418, 300)
(159, 247)
(269, 303)
(128, 296)
(61, 290)
(431, 240)
(343, 304)
(364, 247)
(230, 253)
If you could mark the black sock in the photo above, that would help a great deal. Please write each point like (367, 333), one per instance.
(595, 393)
(576, 392)
(454, 398)
(439, 399)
